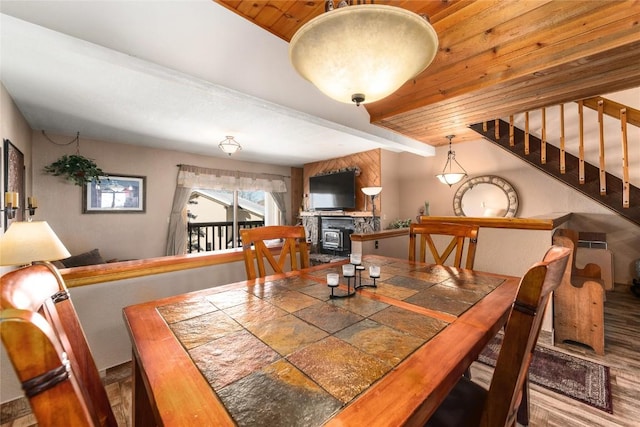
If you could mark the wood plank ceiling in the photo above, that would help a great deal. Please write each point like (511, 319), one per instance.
(496, 58)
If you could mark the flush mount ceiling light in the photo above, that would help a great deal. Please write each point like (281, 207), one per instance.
(362, 53)
(229, 145)
(451, 174)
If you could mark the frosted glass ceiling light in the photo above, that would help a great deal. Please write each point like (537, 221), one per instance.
(363, 53)
(229, 145)
(451, 174)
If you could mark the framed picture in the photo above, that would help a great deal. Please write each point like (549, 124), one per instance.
(115, 194)
(14, 179)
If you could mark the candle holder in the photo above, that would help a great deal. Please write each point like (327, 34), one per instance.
(333, 280)
(11, 211)
(374, 273)
(11, 204)
(355, 259)
(32, 205)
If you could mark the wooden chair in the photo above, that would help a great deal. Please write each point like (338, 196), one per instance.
(293, 239)
(459, 233)
(48, 349)
(578, 304)
(470, 404)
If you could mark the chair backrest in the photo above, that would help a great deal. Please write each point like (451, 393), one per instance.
(459, 233)
(49, 351)
(293, 240)
(520, 337)
(569, 238)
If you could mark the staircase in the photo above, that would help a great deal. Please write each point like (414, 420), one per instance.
(593, 181)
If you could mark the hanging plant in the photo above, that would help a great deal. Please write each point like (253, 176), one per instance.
(75, 168)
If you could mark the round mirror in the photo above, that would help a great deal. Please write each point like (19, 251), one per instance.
(486, 196)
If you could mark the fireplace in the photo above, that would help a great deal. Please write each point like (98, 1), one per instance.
(335, 238)
(334, 235)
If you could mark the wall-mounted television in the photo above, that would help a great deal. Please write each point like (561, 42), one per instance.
(335, 191)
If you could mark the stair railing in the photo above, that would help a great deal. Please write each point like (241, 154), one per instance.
(625, 114)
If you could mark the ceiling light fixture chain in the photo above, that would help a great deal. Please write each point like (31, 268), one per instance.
(450, 175)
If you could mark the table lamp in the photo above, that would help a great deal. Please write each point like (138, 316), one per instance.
(29, 241)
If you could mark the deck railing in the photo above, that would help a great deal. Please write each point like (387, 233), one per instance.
(213, 236)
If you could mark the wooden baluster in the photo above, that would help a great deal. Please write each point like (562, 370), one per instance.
(497, 129)
(526, 133)
(484, 126)
(581, 143)
(563, 165)
(511, 141)
(602, 170)
(543, 142)
(625, 159)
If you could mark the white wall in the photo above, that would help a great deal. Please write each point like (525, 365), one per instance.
(13, 127)
(538, 193)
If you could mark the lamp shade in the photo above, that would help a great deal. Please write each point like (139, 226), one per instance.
(451, 178)
(25, 242)
(363, 53)
(371, 191)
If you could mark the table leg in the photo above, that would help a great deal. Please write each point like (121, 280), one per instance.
(142, 412)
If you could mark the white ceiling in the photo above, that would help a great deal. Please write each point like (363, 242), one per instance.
(177, 75)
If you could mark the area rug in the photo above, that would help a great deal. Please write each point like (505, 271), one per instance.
(579, 379)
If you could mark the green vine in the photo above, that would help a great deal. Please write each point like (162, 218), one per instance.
(75, 168)
(399, 223)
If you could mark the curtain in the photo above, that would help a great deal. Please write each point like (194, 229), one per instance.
(278, 199)
(191, 177)
(220, 179)
(176, 241)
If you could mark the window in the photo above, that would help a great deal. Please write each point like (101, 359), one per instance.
(212, 217)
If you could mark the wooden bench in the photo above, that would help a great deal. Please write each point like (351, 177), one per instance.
(578, 311)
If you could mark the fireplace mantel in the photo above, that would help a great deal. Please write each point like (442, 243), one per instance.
(353, 214)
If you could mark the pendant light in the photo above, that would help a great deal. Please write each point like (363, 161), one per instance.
(453, 172)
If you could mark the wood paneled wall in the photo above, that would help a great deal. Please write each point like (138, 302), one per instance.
(370, 173)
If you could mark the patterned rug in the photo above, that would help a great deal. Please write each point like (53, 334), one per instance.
(579, 379)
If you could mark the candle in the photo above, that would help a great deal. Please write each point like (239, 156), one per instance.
(374, 271)
(355, 259)
(32, 202)
(7, 198)
(348, 270)
(333, 279)
(14, 199)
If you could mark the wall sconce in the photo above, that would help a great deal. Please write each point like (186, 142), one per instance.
(11, 203)
(32, 205)
(450, 175)
(372, 192)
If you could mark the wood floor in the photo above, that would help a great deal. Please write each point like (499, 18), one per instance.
(622, 355)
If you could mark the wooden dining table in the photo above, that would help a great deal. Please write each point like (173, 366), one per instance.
(279, 351)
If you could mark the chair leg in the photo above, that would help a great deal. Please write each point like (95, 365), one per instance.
(523, 409)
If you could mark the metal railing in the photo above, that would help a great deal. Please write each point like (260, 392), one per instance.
(214, 236)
